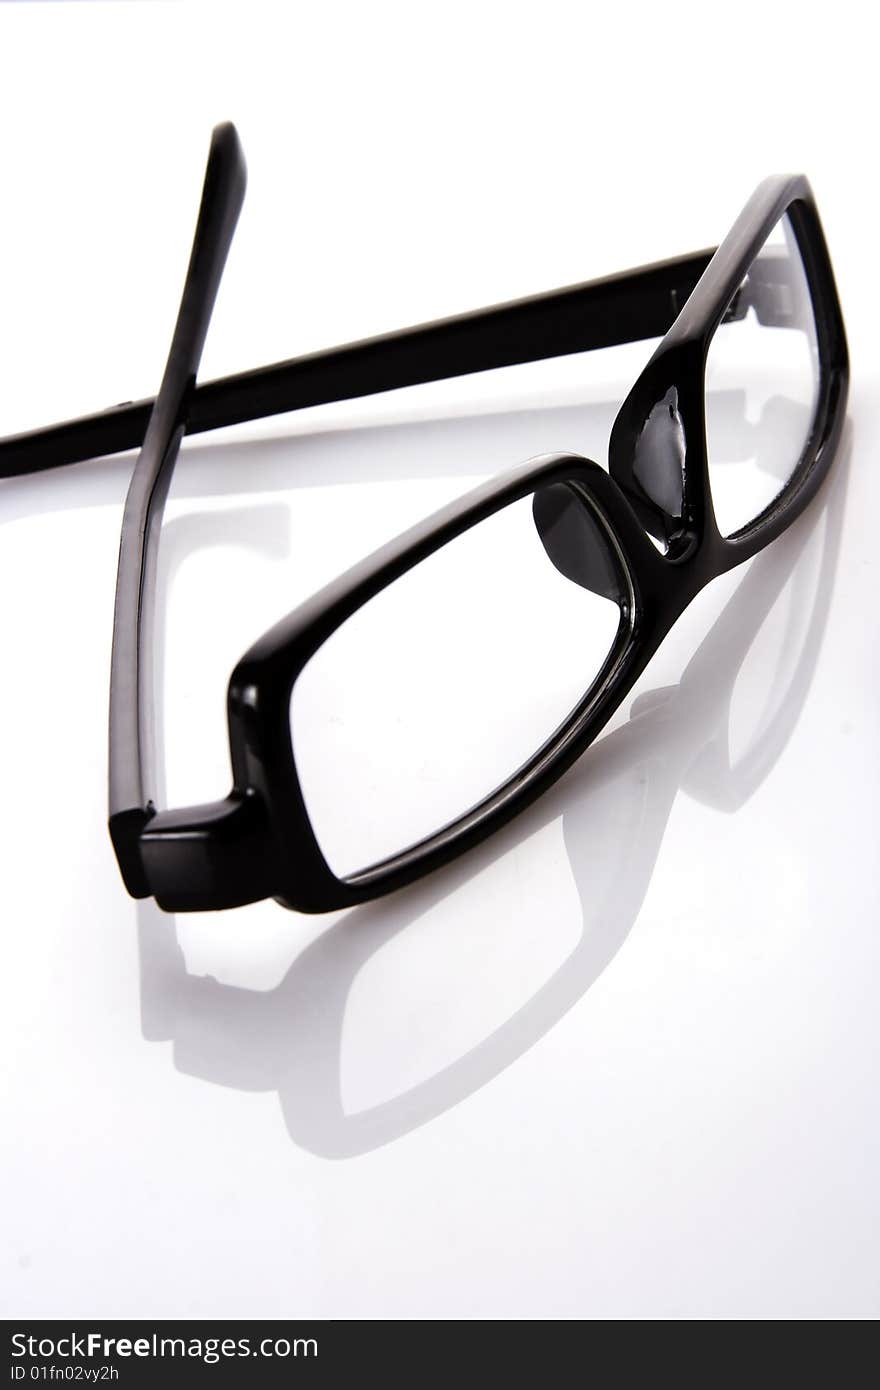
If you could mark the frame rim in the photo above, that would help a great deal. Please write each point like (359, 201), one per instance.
(680, 361)
(262, 683)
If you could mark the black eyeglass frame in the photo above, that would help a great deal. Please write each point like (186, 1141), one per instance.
(259, 842)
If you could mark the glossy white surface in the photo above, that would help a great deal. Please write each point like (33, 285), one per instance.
(622, 1060)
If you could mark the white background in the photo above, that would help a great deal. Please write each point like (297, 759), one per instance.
(622, 1061)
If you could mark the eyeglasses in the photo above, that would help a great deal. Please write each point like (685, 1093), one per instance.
(431, 693)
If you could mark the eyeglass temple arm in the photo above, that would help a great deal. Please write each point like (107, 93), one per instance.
(132, 775)
(623, 308)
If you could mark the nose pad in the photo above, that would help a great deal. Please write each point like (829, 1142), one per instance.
(659, 464)
(575, 543)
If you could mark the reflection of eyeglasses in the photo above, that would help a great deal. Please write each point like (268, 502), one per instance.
(428, 695)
